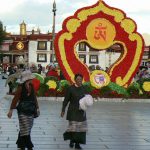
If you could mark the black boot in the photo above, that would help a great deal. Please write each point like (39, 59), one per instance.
(20, 142)
(71, 145)
(77, 146)
(29, 143)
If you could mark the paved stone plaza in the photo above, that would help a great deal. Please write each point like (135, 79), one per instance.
(112, 126)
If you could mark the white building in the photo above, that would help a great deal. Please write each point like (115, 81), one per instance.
(103, 58)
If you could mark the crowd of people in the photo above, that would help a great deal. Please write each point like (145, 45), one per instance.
(143, 73)
(9, 71)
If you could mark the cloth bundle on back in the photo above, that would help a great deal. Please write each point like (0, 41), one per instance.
(85, 102)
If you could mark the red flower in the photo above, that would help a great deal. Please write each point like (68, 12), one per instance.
(46, 93)
(95, 93)
(36, 84)
(53, 73)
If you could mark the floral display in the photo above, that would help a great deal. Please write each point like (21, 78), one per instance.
(51, 87)
(100, 26)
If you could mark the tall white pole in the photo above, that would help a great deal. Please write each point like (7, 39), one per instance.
(53, 29)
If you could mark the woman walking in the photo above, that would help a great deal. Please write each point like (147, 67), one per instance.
(77, 127)
(27, 107)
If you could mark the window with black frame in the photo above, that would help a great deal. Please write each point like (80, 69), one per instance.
(41, 58)
(93, 59)
(42, 45)
(82, 58)
(82, 46)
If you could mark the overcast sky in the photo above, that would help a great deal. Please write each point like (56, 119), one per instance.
(38, 13)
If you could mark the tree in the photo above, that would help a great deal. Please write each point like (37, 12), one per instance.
(2, 37)
(2, 33)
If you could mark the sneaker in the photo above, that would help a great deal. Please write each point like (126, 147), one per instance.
(77, 146)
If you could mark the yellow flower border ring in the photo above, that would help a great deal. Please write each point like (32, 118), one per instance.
(99, 78)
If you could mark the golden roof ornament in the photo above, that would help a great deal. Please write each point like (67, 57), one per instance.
(23, 28)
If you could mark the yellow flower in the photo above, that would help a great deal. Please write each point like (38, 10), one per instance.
(140, 92)
(146, 86)
(52, 84)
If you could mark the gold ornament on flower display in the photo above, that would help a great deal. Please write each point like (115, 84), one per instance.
(100, 33)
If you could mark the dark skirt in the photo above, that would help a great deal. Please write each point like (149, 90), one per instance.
(24, 141)
(76, 137)
(76, 132)
(25, 125)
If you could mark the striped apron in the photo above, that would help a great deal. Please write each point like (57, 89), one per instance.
(25, 124)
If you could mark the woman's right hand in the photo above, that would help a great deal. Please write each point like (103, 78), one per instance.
(62, 114)
(9, 115)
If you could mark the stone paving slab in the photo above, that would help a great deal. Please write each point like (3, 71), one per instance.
(110, 127)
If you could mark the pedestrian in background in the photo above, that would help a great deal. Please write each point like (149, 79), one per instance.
(77, 127)
(27, 107)
(11, 71)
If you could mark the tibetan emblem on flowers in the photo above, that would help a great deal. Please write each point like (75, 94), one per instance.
(100, 33)
(100, 26)
(99, 79)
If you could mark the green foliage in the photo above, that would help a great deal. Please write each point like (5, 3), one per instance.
(134, 89)
(2, 33)
(39, 77)
(43, 89)
(119, 89)
(62, 85)
(88, 86)
(106, 90)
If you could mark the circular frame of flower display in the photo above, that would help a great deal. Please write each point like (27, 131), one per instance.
(99, 79)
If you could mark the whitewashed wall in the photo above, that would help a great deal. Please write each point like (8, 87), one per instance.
(33, 53)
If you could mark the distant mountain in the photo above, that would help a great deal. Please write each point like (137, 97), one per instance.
(146, 37)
